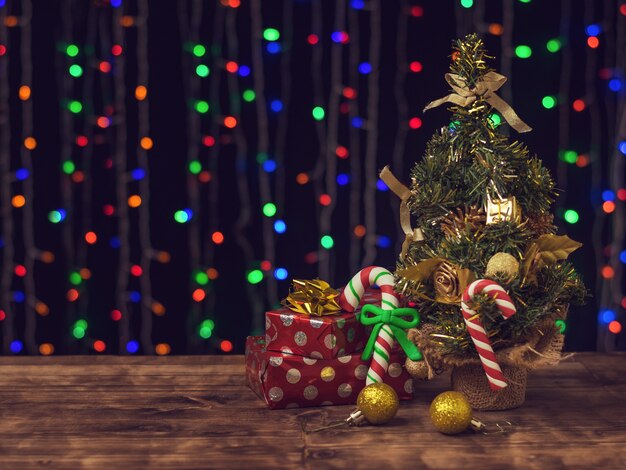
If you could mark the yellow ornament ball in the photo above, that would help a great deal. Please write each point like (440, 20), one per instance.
(502, 264)
(450, 412)
(378, 402)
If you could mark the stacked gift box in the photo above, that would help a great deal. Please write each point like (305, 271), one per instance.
(307, 360)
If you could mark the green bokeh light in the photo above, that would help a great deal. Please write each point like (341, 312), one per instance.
(76, 70)
(72, 50)
(549, 102)
(523, 52)
(571, 216)
(495, 119)
(208, 324)
(75, 106)
(81, 324)
(271, 34)
(255, 276)
(202, 106)
(554, 45)
(327, 242)
(569, 156)
(318, 113)
(561, 325)
(195, 167)
(269, 209)
(78, 333)
(68, 167)
(467, 3)
(202, 278)
(199, 50)
(55, 217)
(181, 217)
(205, 332)
(203, 71)
(75, 278)
(249, 95)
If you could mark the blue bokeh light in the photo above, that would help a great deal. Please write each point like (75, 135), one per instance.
(280, 226)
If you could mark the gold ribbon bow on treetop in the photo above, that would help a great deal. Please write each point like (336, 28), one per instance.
(312, 297)
(486, 89)
(400, 190)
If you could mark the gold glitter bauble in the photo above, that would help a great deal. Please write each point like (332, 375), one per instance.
(378, 403)
(417, 369)
(450, 412)
(502, 264)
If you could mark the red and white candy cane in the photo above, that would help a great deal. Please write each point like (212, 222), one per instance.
(351, 298)
(497, 381)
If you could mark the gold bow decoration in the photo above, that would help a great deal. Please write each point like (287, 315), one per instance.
(312, 297)
(486, 89)
(400, 190)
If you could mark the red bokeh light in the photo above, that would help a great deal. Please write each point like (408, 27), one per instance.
(578, 105)
(416, 66)
(20, 270)
(116, 315)
(136, 270)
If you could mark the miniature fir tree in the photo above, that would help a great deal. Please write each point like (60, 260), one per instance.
(482, 204)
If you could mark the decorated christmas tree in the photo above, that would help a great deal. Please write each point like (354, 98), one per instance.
(482, 206)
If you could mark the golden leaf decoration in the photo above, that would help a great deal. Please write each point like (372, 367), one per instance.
(420, 271)
(529, 265)
(466, 277)
(555, 247)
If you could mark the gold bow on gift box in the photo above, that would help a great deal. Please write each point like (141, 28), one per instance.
(312, 297)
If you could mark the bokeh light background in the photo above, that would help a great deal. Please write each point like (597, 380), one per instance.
(169, 166)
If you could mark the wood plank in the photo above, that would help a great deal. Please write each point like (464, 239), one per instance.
(196, 412)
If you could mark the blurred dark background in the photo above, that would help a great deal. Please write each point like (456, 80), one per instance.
(169, 166)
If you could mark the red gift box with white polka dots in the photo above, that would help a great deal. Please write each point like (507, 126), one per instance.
(324, 337)
(290, 381)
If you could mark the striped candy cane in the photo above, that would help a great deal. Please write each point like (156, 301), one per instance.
(351, 298)
(497, 381)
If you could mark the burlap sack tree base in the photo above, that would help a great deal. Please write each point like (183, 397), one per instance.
(541, 348)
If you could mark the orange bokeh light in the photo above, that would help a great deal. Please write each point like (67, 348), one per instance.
(218, 238)
(162, 349)
(615, 327)
(608, 206)
(91, 237)
(496, 29)
(24, 92)
(230, 122)
(46, 349)
(30, 143)
(593, 42)
(198, 295)
(146, 143)
(360, 231)
(141, 92)
(134, 201)
(607, 272)
(18, 201)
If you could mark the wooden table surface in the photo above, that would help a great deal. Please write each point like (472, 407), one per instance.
(121, 412)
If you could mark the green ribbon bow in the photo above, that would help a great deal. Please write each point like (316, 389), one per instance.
(397, 324)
